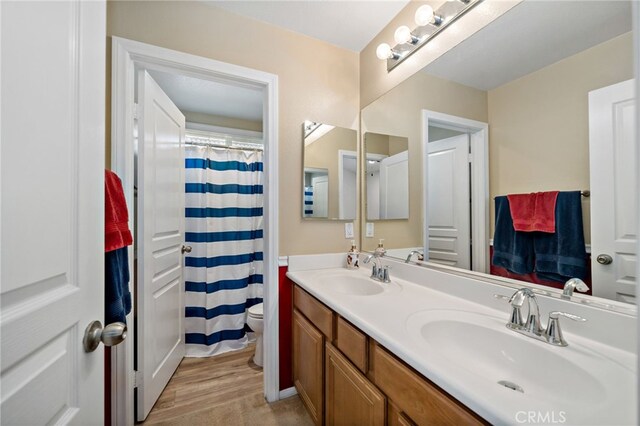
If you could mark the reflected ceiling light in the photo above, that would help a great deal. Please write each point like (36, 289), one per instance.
(430, 23)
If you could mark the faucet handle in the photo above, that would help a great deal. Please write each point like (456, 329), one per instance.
(553, 331)
(385, 274)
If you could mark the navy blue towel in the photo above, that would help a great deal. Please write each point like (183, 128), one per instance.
(562, 255)
(117, 303)
(511, 250)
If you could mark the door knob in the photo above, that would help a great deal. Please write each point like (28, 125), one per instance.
(110, 335)
(604, 259)
(186, 249)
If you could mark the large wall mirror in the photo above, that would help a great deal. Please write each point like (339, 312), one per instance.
(516, 109)
(330, 171)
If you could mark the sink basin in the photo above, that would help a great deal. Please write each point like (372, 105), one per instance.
(481, 346)
(354, 285)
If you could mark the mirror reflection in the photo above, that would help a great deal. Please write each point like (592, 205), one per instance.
(387, 182)
(329, 175)
(503, 118)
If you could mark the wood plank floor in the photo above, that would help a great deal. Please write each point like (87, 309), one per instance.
(223, 390)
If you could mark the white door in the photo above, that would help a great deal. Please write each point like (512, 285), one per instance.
(394, 186)
(320, 186)
(448, 219)
(614, 192)
(52, 220)
(161, 235)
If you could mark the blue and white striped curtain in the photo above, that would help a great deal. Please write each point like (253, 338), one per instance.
(308, 201)
(224, 226)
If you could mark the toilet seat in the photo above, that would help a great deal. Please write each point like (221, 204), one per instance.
(256, 311)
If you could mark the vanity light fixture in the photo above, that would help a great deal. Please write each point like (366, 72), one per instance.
(429, 24)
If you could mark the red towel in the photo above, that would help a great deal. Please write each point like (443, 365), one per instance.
(534, 212)
(116, 215)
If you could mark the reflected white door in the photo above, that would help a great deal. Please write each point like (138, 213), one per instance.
(320, 196)
(394, 186)
(448, 218)
(614, 191)
(160, 232)
(52, 221)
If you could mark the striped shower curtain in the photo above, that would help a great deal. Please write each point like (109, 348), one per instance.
(224, 226)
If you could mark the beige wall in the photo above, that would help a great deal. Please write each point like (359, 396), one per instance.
(374, 78)
(398, 113)
(539, 124)
(316, 81)
(323, 154)
(218, 120)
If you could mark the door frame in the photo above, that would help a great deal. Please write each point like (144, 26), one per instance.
(127, 56)
(479, 144)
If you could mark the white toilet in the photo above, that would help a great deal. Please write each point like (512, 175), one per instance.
(254, 320)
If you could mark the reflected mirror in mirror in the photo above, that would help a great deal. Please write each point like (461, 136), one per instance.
(387, 180)
(330, 171)
(545, 102)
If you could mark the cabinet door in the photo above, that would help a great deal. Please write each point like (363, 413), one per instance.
(308, 345)
(351, 399)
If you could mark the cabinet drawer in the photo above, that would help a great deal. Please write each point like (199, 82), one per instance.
(316, 312)
(353, 343)
(421, 400)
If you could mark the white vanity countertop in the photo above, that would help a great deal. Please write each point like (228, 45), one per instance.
(591, 398)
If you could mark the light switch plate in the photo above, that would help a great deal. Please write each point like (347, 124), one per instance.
(348, 230)
(369, 231)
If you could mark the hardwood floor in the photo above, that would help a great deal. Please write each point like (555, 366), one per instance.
(223, 390)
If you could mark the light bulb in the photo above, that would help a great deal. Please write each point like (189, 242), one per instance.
(402, 35)
(383, 51)
(424, 15)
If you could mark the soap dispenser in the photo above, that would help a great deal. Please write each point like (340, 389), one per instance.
(380, 251)
(353, 257)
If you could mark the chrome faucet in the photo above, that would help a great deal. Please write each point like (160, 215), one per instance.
(571, 285)
(411, 255)
(378, 272)
(532, 327)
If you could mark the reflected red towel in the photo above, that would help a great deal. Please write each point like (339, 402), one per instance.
(534, 212)
(116, 215)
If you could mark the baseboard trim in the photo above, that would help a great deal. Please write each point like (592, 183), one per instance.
(289, 392)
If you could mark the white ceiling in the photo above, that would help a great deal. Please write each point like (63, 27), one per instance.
(530, 36)
(350, 24)
(209, 97)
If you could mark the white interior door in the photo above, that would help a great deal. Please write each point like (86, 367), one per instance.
(614, 191)
(320, 186)
(52, 217)
(394, 186)
(448, 219)
(160, 303)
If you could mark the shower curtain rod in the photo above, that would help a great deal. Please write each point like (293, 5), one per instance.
(237, 148)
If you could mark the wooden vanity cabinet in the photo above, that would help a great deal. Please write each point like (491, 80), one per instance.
(346, 378)
(349, 397)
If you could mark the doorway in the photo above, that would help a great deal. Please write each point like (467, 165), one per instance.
(456, 150)
(128, 59)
